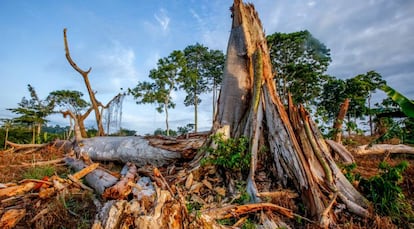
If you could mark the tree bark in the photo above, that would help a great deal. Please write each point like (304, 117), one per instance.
(249, 106)
(339, 121)
(94, 101)
(98, 179)
(126, 149)
(384, 148)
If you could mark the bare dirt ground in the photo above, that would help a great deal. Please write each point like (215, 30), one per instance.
(75, 208)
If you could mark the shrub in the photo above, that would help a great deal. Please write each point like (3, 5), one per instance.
(386, 194)
(231, 154)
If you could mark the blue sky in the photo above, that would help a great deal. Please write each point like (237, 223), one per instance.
(122, 41)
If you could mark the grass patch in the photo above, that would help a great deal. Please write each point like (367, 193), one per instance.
(39, 172)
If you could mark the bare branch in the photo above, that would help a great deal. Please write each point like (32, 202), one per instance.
(71, 62)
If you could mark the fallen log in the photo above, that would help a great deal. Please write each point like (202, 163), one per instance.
(122, 189)
(384, 148)
(341, 151)
(25, 146)
(98, 179)
(125, 149)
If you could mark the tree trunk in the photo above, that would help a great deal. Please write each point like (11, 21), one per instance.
(94, 101)
(126, 149)
(166, 119)
(249, 106)
(79, 127)
(6, 137)
(339, 121)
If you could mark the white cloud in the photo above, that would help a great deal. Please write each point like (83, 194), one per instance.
(162, 19)
(116, 68)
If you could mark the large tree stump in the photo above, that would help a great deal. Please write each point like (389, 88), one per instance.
(249, 106)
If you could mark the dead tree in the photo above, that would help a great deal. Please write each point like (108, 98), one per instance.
(95, 103)
(337, 127)
(250, 106)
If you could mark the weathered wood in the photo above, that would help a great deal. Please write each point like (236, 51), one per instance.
(98, 179)
(123, 188)
(337, 127)
(341, 151)
(85, 171)
(25, 146)
(125, 149)
(384, 148)
(11, 217)
(17, 190)
(300, 154)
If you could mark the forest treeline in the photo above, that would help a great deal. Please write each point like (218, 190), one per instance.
(299, 63)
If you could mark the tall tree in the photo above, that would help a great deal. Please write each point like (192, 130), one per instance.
(202, 73)
(359, 90)
(214, 65)
(71, 103)
(165, 81)
(33, 112)
(193, 79)
(299, 61)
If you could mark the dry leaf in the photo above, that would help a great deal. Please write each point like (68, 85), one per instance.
(221, 191)
(189, 181)
(207, 184)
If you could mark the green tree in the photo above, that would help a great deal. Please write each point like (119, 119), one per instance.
(215, 67)
(299, 61)
(202, 73)
(71, 103)
(33, 112)
(165, 81)
(7, 124)
(359, 90)
(330, 99)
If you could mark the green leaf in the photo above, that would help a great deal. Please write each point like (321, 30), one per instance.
(407, 105)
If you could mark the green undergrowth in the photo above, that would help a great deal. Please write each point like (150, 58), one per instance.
(39, 172)
(232, 154)
(384, 191)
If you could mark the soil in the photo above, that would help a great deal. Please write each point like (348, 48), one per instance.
(75, 208)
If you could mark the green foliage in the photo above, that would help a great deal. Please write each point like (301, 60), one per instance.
(299, 61)
(249, 224)
(160, 131)
(39, 172)
(232, 154)
(69, 100)
(227, 222)
(348, 172)
(386, 194)
(202, 73)
(164, 82)
(126, 132)
(33, 112)
(391, 118)
(185, 129)
(193, 206)
(244, 196)
(79, 206)
(407, 105)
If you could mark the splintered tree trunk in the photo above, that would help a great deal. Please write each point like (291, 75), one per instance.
(339, 120)
(249, 106)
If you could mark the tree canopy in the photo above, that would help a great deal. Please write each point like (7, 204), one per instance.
(33, 111)
(299, 61)
(164, 82)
